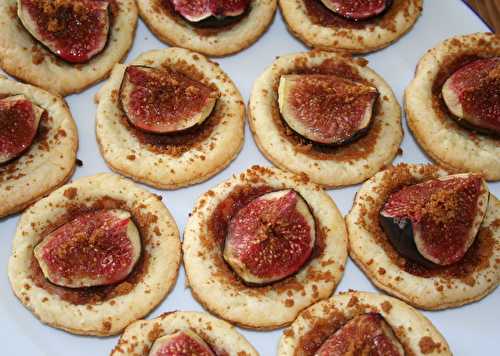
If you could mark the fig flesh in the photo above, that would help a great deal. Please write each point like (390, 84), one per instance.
(435, 222)
(181, 343)
(325, 108)
(199, 10)
(74, 30)
(94, 249)
(163, 101)
(472, 94)
(19, 120)
(357, 9)
(366, 334)
(271, 237)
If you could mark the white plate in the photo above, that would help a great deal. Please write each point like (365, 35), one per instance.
(470, 330)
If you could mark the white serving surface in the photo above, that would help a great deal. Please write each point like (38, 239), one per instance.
(470, 330)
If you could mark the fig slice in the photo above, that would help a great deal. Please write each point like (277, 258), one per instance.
(19, 120)
(181, 343)
(357, 9)
(435, 222)
(94, 249)
(163, 101)
(325, 108)
(74, 30)
(198, 10)
(271, 237)
(472, 94)
(366, 334)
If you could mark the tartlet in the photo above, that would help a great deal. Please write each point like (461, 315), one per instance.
(221, 290)
(108, 308)
(181, 158)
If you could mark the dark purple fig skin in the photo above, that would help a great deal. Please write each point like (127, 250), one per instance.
(403, 239)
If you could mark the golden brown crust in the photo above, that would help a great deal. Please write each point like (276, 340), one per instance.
(435, 291)
(24, 58)
(173, 167)
(349, 164)
(355, 40)
(452, 146)
(413, 330)
(138, 337)
(214, 285)
(49, 162)
(129, 300)
(178, 32)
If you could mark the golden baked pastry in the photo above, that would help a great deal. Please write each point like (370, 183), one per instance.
(262, 246)
(427, 237)
(95, 255)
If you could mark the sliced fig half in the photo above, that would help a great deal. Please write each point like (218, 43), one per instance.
(357, 9)
(271, 237)
(198, 10)
(181, 343)
(325, 108)
(163, 101)
(366, 334)
(472, 94)
(435, 222)
(74, 30)
(94, 249)
(19, 119)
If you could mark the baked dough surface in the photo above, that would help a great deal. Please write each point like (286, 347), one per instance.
(369, 38)
(220, 335)
(25, 58)
(126, 154)
(446, 142)
(217, 288)
(436, 291)
(348, 164)
(413, 330)
(49, 162)
(175, 31)
(130, 300)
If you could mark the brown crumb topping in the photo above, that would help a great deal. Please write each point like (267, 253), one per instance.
(178, 143)
(395, 178)
(358, 149)
(217, 226)
(319, 14)
(95, 295)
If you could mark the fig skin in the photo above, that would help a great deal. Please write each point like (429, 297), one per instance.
(366, 334)
(17, 133)
(270, 238)
(181, 343)
(472, 94)
(199, 10)
(176, 102)
(422, 221)
(68, 28)
(357, 9)
(94, 249)
(326, 109)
